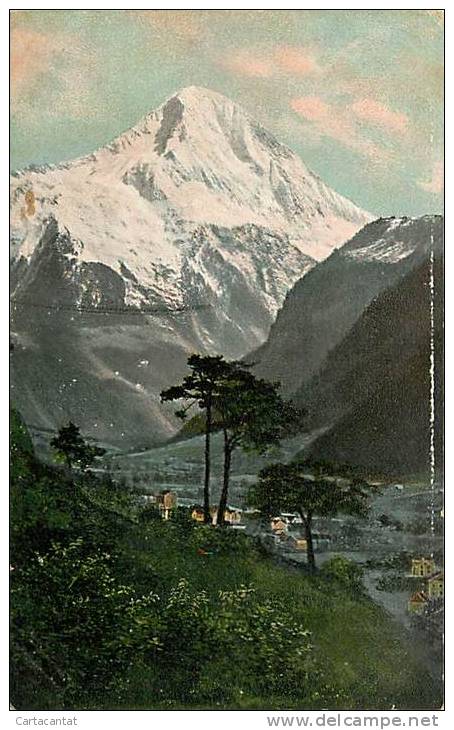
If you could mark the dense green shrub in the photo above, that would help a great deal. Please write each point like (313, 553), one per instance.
(74, 622)
(345, 573)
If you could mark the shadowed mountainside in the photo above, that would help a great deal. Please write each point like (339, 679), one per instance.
(375, 386)
(322, 307)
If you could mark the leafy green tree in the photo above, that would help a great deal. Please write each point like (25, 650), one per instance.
(253, 416)
(200, 388)
(70, 447)
(309, 490)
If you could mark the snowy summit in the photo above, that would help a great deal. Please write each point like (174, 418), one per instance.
(157, 198)
(197, 220)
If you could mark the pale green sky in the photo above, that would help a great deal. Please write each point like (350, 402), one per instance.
(358, 94)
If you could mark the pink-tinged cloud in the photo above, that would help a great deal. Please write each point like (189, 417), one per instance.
(335, 122)
(380, 115)
(295, 60)
(436, 183)
(273, 61)
(246, 63)
(312, 108)
(32, 54)
(37, 56)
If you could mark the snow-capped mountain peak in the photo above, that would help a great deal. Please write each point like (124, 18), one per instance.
(197, 164)
(198, 159)
(195, 209)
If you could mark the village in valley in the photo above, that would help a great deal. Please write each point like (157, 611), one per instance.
(428, 600)
(398, 547)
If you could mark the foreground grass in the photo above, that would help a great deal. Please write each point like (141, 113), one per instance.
(369, 659)
(113, 608)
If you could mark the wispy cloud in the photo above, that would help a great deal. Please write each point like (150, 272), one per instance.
(380, 115)
(249, 64)
(312, 108)
(32, 55)
(295, 60)
(336, 122)
(56, 64)
(270, 62)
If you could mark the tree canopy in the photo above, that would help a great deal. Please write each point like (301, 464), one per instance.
(309, 490)
(71, 447)
(249, 412)
(253, 416)
(200, 387)
(253, 412)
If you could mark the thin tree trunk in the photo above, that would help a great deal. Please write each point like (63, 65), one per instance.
(206, 486)
(225, 483)
(310, 543)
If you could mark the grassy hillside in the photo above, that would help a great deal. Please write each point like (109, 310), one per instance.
(362, 659)
(114, 608)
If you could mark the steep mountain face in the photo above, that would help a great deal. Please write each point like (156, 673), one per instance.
(374, 389)
(184, 234)
(322, 307)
